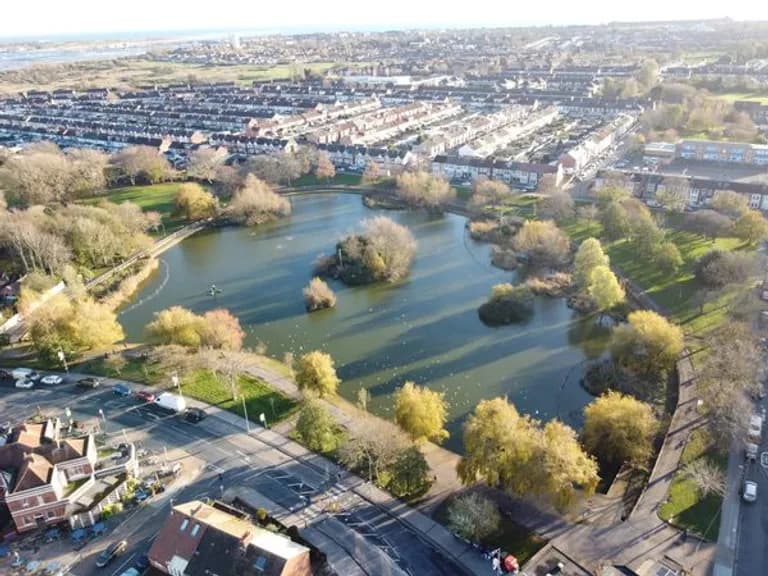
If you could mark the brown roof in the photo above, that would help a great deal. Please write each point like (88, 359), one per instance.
(34, 472)
(30, 434)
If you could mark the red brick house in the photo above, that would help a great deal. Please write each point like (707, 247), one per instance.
(40, 473)
(199, 540)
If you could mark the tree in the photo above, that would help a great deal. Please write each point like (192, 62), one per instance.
(94, 324)
(87, 171)
(558, 207)
(324, 168)
(316, 373)
(645, 234)
(667, 257)
(615, 221)
(564, 465)
(589, 212)
(544, 243)
(730, 203)
(255, 203)
(422, 190)
(318, 295)
(589, 256)
(673, 194)
(421, 412)
(142, 162)
(371, 173)
(176, 325)
(708, 477)
(619, 428)
(276, 168)
(487, 193)
(473, 516)
(36, 176)
(647, 344)
(204, 163)
(751, 227)
(372, 448)
(709, 223)
(604, 288)
(507, 304)
(717, 269)
(221, 330)
(409, 474)
(316, 427)
(193, 202)
(517, 454)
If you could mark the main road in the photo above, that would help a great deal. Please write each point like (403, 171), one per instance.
(259, 460)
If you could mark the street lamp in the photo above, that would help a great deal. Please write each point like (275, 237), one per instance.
(245, 415)
(263, 419)
(176, 382)
(63, 359)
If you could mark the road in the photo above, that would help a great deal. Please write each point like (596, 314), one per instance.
(245, 460)
(752, 538)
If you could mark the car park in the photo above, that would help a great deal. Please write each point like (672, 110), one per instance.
(749, 492)
(145, 395)
(89, 383)
(51, 380)
(24, 384)
(121, 390)
(194, 415)
(111, 552)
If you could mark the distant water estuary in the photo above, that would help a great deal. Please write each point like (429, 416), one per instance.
(425, 329)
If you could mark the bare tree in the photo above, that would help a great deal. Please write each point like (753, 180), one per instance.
(204, 163)
(142, 162)
(707, 477)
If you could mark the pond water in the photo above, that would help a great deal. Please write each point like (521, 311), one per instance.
(424, 329)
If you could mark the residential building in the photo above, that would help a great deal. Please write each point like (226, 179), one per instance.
(41, 473)
(202, 540)
(517, 174)
(729, 152)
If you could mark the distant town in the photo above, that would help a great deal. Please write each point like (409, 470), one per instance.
(417, 302)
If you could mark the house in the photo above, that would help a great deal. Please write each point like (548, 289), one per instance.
(201, 540)
(730, 152)
(41, 473)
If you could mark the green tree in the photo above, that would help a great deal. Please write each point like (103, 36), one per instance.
(647, 344)
(667, 257)
(619, 428)
(176, 325)
(645, 234)
(615, 221)
(409, 474)
(316, 373)
(316, 427)
(751, 227)
(193, 202)
(421, 412)
(589, 256)
(564, 465)
(730, 203)
(604, 288)
(474, 516)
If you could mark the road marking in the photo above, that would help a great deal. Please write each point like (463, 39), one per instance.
(244, 455)
(123, 565)
(215, 468)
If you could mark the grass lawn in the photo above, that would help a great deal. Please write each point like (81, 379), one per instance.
(511, 537)
(341, 179)
(686, 508)
(674, 292)
(259, 397)
(156, 197)
(748, 96)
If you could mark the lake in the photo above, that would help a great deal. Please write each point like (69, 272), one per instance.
(424, 329)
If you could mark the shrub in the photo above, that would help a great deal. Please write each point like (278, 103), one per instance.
(318, 295)
(473, 516)
(507, 304)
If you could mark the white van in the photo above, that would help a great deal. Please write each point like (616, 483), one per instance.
(755, 428)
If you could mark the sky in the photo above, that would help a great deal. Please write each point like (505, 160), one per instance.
(92, 17)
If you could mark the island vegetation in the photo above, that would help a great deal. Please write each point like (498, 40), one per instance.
(507, 304)
(318, 295)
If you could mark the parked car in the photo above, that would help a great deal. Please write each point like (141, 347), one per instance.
(141, 563)
(141, 495)
(122, 390)
(34, 376)
(750, 451)
(19, 373)
(111, 552)
(52, 380)
(749, 492)
(172, 470)
(5, 375)
(89, 383)
(24, 383)
(145, 395)
(755, 427)
(131, 572)
(194, 415)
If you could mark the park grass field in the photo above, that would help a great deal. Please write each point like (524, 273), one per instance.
(762, 98)
(153, 197)
(686, 507)
(129, 73)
